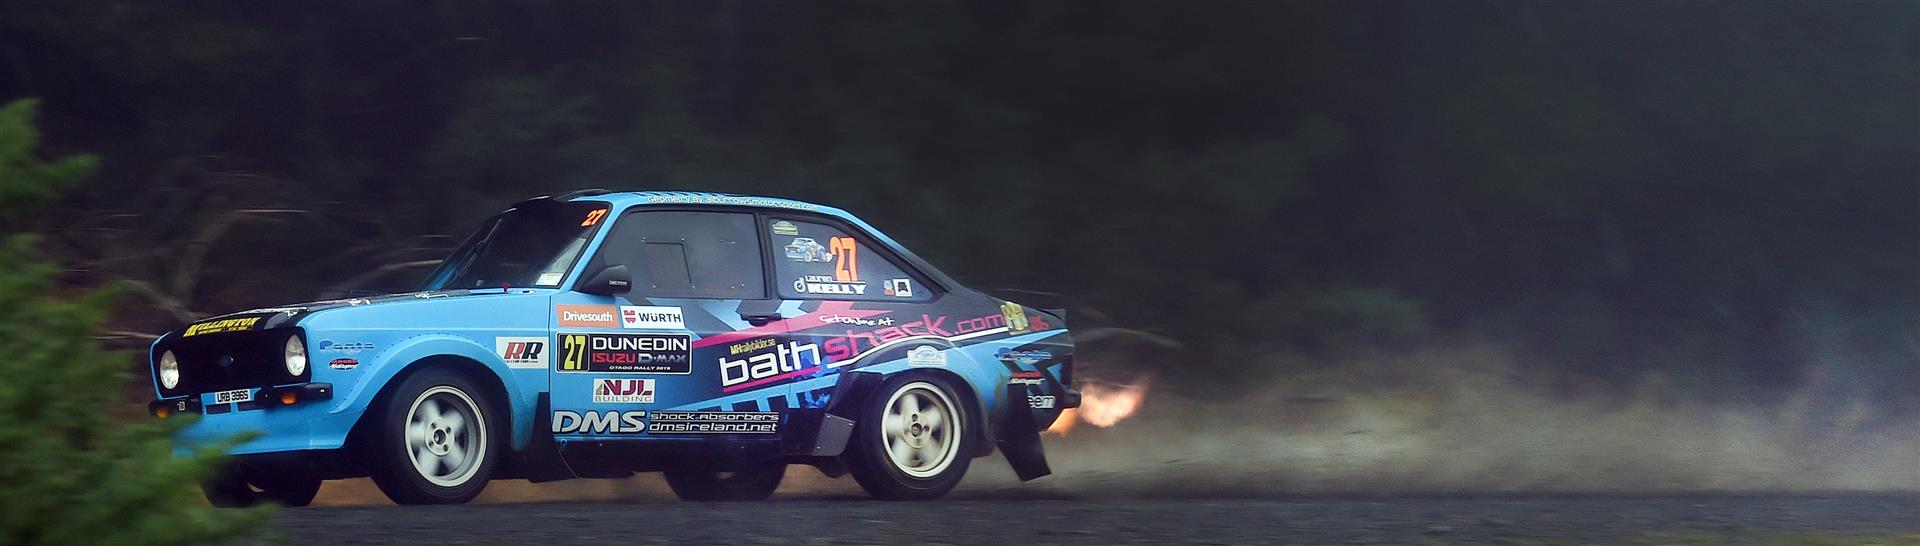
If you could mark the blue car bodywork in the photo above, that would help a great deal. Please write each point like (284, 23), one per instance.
(695, 358)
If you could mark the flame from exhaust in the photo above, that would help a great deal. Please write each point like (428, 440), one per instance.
(1102, 405)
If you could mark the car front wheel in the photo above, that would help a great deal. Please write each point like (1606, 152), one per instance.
(435, 440)
(911, 441)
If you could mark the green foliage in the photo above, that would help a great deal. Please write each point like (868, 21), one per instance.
(71, 471)
(25, 180)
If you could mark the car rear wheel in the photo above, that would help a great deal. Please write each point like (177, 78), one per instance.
(911, 441)
(227, 489)
(754, 483)
(434, 440)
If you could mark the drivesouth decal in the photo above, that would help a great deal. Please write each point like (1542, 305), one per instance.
(587, 316)
(626, 353)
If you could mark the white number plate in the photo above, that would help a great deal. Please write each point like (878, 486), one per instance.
(236, 395)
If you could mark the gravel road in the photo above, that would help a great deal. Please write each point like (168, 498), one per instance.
(981, 519)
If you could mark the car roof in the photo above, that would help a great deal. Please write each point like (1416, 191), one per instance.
(623, 199)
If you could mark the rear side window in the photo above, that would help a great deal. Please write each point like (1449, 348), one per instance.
(819, 261)
(686, 254)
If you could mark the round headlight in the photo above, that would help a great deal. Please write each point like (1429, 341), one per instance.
(296, 356)
(169, 370)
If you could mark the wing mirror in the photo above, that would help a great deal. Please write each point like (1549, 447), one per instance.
(611, 281)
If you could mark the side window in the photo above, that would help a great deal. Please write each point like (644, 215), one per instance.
(818, 261)
(686, 254)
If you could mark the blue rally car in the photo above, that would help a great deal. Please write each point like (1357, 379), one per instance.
(596, 334)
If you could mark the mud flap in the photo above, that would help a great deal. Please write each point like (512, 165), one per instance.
(824, 433)
(542, 461)
(1020, 438)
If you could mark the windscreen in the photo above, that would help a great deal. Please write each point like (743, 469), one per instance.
(532, 245)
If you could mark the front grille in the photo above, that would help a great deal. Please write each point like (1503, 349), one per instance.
(254, 359)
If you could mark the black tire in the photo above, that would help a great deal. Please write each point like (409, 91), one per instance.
(226, 489)
(754, 483)
(869, 455)
(441, 476)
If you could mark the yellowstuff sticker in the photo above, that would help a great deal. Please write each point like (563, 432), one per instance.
(221, 326)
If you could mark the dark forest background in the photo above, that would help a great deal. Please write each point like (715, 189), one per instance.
(1718, 194)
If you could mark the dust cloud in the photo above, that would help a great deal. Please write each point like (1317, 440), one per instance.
(1438, 421)
(1456, 421)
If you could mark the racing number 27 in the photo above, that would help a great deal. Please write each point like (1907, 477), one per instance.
(576, 348)
(846, 259)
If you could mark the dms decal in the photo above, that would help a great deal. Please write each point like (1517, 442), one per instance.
(343, 364)
(598, 422)
(714, 422)
(657, 318)
(587, 316)
(626, 353)
(622, 391)
(222, 326)
(522, 352)
(772, 362)
(822, 284)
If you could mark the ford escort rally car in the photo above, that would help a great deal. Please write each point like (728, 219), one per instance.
(595, 334)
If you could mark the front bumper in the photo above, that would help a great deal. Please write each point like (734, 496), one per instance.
(283, 418)
(264, 398)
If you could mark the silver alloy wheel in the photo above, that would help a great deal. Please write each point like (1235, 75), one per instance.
(446, 436)
(920, 429)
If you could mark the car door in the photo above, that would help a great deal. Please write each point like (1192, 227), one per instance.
(652, 362)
